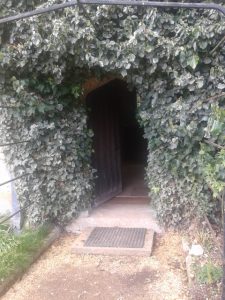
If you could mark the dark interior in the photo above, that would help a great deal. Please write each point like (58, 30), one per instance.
(133, 144)
(119, 144)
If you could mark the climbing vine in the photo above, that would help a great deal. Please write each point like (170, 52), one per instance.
(213, 153)
(173, 58)
(55, 158)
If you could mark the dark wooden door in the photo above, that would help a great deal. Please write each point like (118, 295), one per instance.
(104, 121)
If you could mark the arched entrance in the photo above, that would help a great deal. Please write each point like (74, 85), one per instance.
(120, 150)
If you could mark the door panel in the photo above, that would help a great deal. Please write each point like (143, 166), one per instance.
(104, 121)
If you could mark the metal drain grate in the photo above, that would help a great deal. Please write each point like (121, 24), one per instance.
(116, 237)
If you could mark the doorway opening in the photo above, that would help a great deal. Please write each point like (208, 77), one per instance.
(120, 150)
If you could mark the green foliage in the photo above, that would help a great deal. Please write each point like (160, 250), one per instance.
(17, 255)
(209, 273)
(57, 154)
(213, 154)
(166, 55)
(214, 169)
(7, 239)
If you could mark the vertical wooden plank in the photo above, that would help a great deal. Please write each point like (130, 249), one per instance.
(106, 159)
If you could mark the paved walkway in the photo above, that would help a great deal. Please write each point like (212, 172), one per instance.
(61, 275)
(119, 212)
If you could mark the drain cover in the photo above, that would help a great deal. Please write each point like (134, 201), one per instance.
(116, 237)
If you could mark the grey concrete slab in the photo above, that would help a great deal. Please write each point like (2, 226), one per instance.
(118, 212)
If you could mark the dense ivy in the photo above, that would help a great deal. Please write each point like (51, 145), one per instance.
(170, 57)
(56, 155)
(213, 153)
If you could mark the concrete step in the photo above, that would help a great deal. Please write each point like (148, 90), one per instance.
(118, 212)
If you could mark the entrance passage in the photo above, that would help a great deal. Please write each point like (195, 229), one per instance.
(120, 150)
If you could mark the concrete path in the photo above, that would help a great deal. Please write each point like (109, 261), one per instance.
(119, 212)
(124, 212)
(61, 275)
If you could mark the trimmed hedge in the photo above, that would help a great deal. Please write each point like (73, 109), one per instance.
(171, 58)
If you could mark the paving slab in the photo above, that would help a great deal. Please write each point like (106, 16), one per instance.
(118, 212)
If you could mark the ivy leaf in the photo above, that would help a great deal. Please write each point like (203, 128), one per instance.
(193, 61)
(41, 108)
(124, 73)
(221, 86)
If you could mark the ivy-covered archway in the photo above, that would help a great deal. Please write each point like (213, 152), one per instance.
(172, 59)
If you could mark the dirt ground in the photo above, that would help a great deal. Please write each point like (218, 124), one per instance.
(61, 275)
